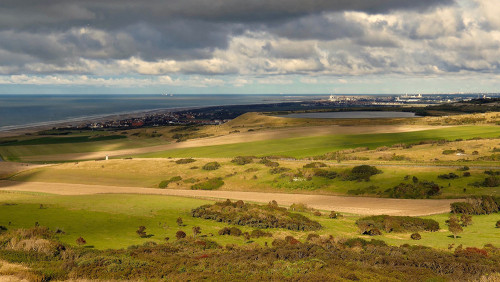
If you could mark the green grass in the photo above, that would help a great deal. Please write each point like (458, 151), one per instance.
(312, 146)
(110, 221)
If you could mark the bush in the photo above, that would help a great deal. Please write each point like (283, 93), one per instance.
(184, 161)
(312, 236)
(325, 173)
(373, 232)
(165, 183)
(211, 166)
(242, 160)
(141, 231)
(257, 233)
(315, 165)
(477, 205)
(80, 241)
(462, 208)
(333, 215)
(466, 174)
(450, 175)
(233, 231)
(492, 181)
(362, 172)
(269, 163)
(210, 184)
(180, 235)
(415, 236)
(420, 190)
(497, 225)
(278, 170)
(397, 224)
(449, 152)
(268, 216)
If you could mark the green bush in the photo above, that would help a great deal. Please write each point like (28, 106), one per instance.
(242, 160)
(449, 152)
(362, 172)
(450, 175)
(210, 184)
(422, 189)
(477, 205)
(278, 170)
(211, 166)
(185, 161)
(315, 165)
(268, 216)
(325, 173)
(165, 183)
(396, 224)
(416, 236)
(269, 163)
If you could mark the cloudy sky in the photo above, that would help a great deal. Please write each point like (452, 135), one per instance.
(249, 46)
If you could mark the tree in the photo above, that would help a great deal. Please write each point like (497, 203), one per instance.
(196, 230)
(179, 221)
(180, 234)
(141, 231)
(80, 241)
(466, 220)
(454, 226)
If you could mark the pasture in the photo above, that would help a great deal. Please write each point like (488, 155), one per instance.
(110, 221)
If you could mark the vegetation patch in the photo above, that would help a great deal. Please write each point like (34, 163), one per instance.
(185, 161)
(477, 205)
(420, 190)
(361, 172)
(211, 166)
(315, 165)
(165, 183)
(396, 224)
(210, 184)
(242, 160)
(259, 216)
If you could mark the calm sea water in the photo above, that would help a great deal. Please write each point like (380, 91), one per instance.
(18, 111)
(353, 114)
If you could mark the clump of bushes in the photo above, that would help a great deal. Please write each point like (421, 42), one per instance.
(449, 152)
(259, 216)
(315, 165)
(269, 163)
(233, 231)
(180, 234)
(185, 161)
(211, 166)
(257, 233)
(210, 184)
(396, 224)
(492, 181)
(415, 236)
(330, 174)
(422, 189)
(278, 170)
(477, 205)
(450, 175)
(362, 172)
(165, 183)
(242, 160)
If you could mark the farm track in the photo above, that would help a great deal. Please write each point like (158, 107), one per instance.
(354, 205)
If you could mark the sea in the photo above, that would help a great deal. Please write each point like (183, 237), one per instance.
(24, 111)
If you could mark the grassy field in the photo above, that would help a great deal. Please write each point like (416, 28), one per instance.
(312, 146)
(250, 177)
(110, 221)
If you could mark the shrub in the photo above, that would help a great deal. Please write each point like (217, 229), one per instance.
(373, 232)
(466, 174)
(291, 240)
(317, 213)
(211, 166)
(312, 236)
(185, 161)
(180, 234)
(315, 165)
(420, 190)
(242, 160)
(165, 183)
(477, 205)
(233, 231)
(268, 216)
(497, 225)
(257, 233)
(415, 236)
(449, 152)
(278, 170)
(362, 172)
(333, 215)
(80, 241)
(179, 222)
(397, 223)
(210, 184)
(462, 207)
(464, 168)
(269, 163)
(325, 173)
(492, 181)
(450, 175)
(196, 230)
(141, 231)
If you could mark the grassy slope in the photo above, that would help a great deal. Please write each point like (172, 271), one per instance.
(110, 221)
(149, 173)
(311, 146)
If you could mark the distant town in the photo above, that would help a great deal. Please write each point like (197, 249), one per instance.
(221, 114)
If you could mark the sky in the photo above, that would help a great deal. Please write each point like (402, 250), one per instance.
(249, 46)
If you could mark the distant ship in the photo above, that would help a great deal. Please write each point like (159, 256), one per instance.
(169, 95)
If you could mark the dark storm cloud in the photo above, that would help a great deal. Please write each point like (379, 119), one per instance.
(113, 13)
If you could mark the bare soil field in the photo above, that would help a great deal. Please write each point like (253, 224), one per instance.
(234, 138)
(355, 205)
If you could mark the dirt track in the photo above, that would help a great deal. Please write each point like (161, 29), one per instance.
(237, 138)
(356, 205)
